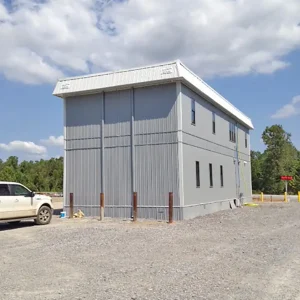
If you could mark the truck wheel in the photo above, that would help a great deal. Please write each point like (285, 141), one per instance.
(44, 216)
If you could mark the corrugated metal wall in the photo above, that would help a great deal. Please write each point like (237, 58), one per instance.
(83, 152)
(156, 150)
(201, 144)
(155, 143)
(117, 155)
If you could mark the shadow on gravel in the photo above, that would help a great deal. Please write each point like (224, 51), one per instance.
(22, 224)
(28, 223)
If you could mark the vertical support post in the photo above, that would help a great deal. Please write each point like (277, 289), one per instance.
(170, 208)
(286, 191)
(71, 211)
(134, 206)
(298, 196)
(101, 206)
(262, 197)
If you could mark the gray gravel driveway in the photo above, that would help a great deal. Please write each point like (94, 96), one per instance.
(247, 253)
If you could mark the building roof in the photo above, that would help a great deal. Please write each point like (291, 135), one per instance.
(145, 76)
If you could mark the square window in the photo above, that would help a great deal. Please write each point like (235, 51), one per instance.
(211, 175)
(221, 176)
(197, 174)
(193, 112)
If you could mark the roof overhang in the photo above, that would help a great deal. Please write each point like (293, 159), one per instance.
(147, 76)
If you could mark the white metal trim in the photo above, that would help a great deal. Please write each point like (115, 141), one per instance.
(103, 145)
(89, 84)
(133, 171)
(180, 144)
(65, 154)
(119, 71)
(207, 203)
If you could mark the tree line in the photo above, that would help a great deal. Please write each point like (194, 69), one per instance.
(279, 159)
(39, 176)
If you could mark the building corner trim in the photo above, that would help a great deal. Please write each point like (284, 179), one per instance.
(179, 141)
(65, 155)
(133, 141)
(102, 144)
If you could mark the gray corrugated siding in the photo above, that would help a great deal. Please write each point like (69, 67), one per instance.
(83, 155)
(200, 144)
(156, 155)
(156, 147)
(156, 158)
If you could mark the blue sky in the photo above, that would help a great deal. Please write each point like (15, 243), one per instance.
(254, 62)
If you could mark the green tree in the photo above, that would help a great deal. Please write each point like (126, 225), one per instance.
(281, 158)
(40, 176)
(256, 168)
(7, 174)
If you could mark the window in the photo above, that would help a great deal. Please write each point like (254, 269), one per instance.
(246, 140)
(18, 190)
(4, 191)
(221, 176)
(193, 112)
(211, 176)
(214, 123)
(197, 174)
(232, 132)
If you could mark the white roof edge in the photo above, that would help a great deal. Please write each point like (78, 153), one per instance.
(119, 71)
(216, 97)
(92, 83)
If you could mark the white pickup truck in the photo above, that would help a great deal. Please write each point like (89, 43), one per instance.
(17, 203)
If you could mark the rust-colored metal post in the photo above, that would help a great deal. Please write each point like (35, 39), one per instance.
(101, 206)
(71, 211)
(170, 208)
(134, 206)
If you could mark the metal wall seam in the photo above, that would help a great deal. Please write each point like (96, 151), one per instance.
(133, 142)
(179, 141)
(102, 143)
(65, 156)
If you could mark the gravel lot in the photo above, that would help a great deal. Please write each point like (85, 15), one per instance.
(248, 253)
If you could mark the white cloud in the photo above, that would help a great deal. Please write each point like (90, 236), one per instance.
(288, 110)
(44, 40)
(54, 141)
(24, 147)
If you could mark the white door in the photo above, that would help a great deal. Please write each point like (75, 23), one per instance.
(22, 201)
(6, 203)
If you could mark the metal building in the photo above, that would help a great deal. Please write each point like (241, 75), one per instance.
(153, 130)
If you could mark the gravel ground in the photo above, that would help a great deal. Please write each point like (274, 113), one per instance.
(248, 253)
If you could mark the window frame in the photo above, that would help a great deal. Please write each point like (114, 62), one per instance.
(13, 192)
(232, 132)
(213, 122)
(198, 183)
(9, 190)
(193, 112)
(246, 140)
(211, 180)
(221, 176)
